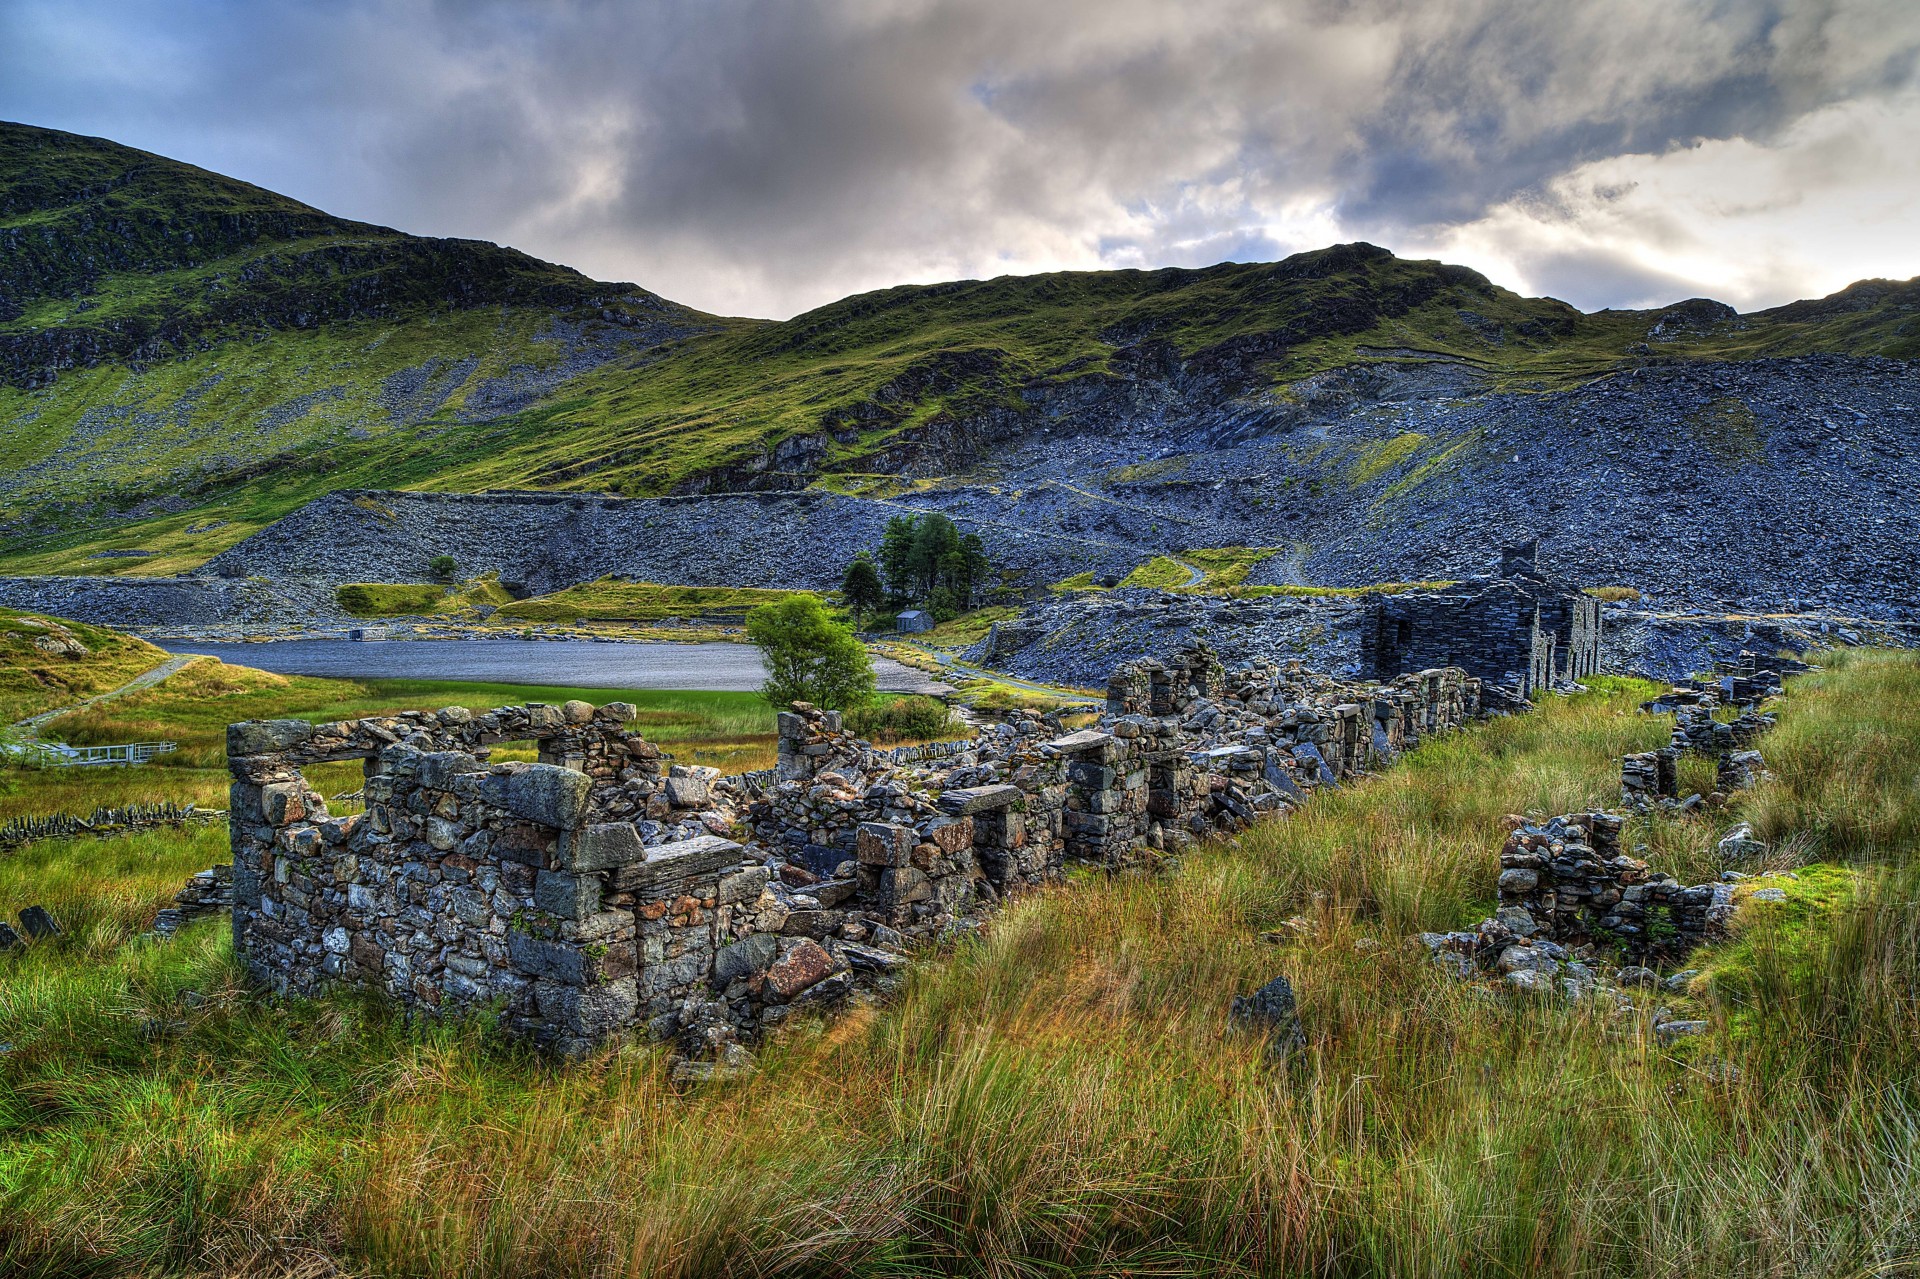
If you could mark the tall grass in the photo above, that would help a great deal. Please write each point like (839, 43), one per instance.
(1062, 1093)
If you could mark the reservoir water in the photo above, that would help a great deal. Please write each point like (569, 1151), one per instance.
(564, 663)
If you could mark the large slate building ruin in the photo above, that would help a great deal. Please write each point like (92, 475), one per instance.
(1521, 631)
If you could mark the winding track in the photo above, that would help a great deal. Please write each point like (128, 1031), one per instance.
(146, 679)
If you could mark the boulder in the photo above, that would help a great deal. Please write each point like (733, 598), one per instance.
(1272, 1012)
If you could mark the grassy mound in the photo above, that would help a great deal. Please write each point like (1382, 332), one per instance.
(612, 599)
(42, 666)
(407, 599)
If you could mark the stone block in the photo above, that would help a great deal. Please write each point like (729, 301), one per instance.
(603, 846)
(1084, 742)
(804, 964)
(542, 794)
(669, 867)
(744, 885)
(547, 960)
(951, 835)
(38, 923)
(687, 792)
(964, 802)
(437, 769)
(885, 844)
(744, 958)
(565, 894)
(266, 736)
(283, 802)
(902, 885)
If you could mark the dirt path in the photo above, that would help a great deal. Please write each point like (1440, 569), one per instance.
(147, 679)
(948, 662)
(1293, 567)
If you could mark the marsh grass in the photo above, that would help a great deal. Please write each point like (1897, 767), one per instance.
(1061, 1094)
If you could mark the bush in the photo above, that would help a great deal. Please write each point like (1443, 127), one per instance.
(904, 719)
(442, 565)
(809, 656)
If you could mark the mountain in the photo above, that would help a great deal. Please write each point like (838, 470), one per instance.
(164, 329)
(223, 356)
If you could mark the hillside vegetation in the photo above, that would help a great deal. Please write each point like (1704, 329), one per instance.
(48, 662)
(1060, 1094)
(184, 358)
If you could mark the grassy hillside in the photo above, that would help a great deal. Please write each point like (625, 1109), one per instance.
(1060, 1094)
(168, 332)
(184, 357)
(48, 662)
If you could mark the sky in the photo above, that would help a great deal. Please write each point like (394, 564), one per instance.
(762, 157)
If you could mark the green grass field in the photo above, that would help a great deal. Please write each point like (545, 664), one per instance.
(732, 731)
(617, 600)
(1061, 1094)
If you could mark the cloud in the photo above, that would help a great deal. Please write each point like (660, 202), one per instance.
(1829, 201)
(765, 156)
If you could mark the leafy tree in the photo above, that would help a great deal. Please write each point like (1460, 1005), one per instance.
(861, 588)
(925, 560)
(973, 555)
(442, 565)
(809, 656)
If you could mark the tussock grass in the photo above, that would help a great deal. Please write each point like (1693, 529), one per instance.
(1061, 1094)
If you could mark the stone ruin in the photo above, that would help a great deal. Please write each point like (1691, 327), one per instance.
(1519, 633)
(1568, 893)
(605, 890)
(1649, 778)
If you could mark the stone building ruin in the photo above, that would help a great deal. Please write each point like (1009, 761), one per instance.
(1520, 631)
(605, 890)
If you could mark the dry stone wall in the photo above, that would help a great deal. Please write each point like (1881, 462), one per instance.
(604, 889)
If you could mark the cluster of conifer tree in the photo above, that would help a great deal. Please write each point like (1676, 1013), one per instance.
(924, 561)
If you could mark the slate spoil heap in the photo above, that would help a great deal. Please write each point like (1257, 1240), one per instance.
(605, 889)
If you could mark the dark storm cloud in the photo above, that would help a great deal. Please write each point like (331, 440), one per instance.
(763, 157)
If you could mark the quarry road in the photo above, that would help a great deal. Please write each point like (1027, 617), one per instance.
(563, 663)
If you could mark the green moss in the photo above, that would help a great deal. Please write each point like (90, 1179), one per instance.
(1729, 430)
(616, 599)
(1161, 573)
(1377, 458)
(1774, 937)
(1078, 582)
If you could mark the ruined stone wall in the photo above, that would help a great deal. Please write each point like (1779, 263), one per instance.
(1568, 882)
(604, 889)
(1521, 630)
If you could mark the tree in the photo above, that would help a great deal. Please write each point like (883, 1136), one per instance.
(442, 566)
(934, 538)
(896, 557)
(809, 656)
(861, 588)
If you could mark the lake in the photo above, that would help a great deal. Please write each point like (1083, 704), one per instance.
(568, 663)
